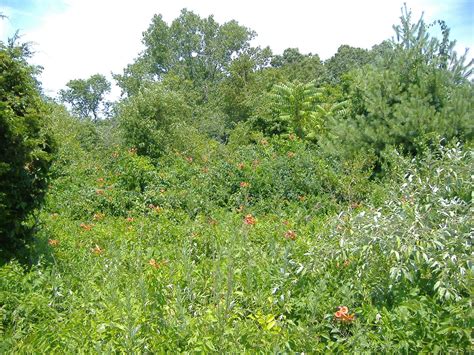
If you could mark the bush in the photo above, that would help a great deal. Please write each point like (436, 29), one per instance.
(147, 119)
(25, 151)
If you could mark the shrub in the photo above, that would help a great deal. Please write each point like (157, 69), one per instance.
(25, 151)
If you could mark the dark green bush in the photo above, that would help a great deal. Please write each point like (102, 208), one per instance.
(25, 148)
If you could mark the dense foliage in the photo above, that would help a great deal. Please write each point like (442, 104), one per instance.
(239, 201)
(25, 149)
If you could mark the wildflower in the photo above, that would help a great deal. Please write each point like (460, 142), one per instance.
(302, 198)
(100, 180)
(286, 222)
(244, 184)
(290, 234)
(250, 220)
(54, 215)
(264, 142)
(162, 191)
(132, 150)
(291, 137)
(212, 221)
(205, 170)
(130, 219)
(241, 166)
(98, 216)
(189, 159)
(290, 154)
(156, 264)
(255, 163)
(155, 208)
(97, 250)
(347, 263)
(53, 242)
(343, 315)
(240, 208)
(86, 227)
(99, 192)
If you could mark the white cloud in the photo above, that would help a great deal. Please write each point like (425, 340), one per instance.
(93, 36)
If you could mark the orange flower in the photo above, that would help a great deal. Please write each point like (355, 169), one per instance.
(212, 221)
(53, 242)
(154, 264)
(241, 166)
(343, 309)
(347, 318)
(97, 250)
(343, 316)
(290, 235)
(130, 219)
(86, 227)
(244, 184)
(98, 216)
(250, 220)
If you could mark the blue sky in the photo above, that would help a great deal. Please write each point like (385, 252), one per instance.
(78, 38)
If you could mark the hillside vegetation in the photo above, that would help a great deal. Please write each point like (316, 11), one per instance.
(238, 201)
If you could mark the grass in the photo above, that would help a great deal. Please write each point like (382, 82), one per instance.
(110, 272)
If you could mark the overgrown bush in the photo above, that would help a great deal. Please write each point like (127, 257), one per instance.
(25, 148)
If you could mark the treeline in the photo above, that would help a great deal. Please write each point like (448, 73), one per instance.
(199, 82)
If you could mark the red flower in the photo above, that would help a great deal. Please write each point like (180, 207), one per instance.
(86, 227)
(290, 235)
(53, 242)
(250, 220)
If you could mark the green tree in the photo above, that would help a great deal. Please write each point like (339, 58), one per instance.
(196, 49)
(347, 58)
(291, 108)
(148, 120)
(417, 89)
(25, 147)
(87, 96)
(301, 67)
